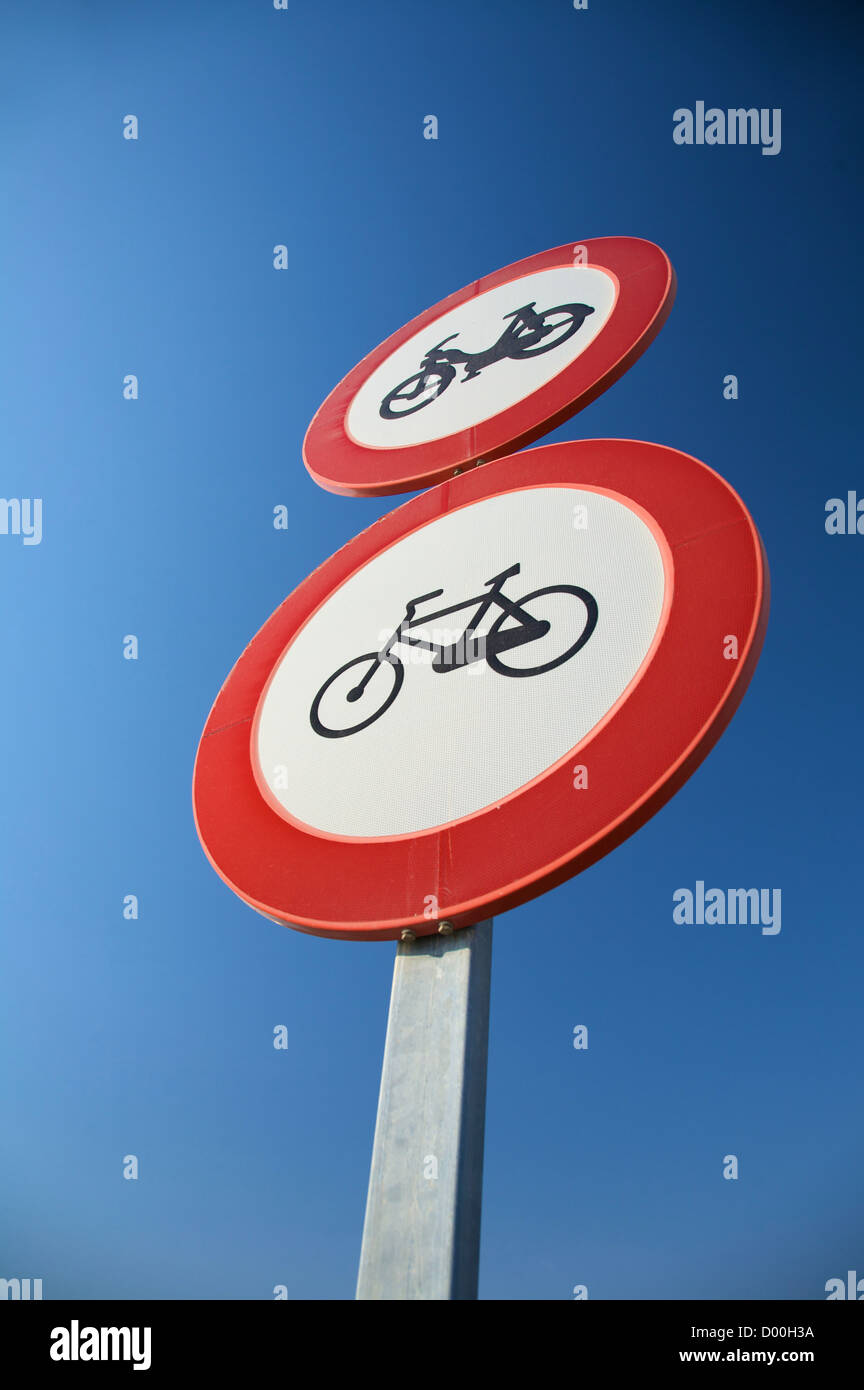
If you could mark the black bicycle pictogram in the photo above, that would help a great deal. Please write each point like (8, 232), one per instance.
(528, 335)
(382, 680)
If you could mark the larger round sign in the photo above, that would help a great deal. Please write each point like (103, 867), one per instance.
(492, 367)
(484, 692)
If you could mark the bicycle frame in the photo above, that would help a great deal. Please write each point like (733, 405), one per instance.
(463, 651)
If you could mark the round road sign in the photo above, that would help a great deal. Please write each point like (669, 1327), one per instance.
(492, 367)
(484, 692)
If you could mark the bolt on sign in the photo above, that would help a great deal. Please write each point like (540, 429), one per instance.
(484, 692)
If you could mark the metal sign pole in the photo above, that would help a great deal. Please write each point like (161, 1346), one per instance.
(421, 1237)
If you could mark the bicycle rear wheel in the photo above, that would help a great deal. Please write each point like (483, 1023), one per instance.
(335, 696)
(425, 386)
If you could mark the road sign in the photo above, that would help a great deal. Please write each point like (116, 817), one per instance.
(484, 692)
(492, 367)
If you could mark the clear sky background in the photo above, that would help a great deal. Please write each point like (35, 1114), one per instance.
(154, 1037)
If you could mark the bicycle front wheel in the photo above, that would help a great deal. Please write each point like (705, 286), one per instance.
(559, 324)
(566, 622)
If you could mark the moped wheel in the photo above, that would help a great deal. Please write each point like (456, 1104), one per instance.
(558, 333)
(416, 392)
(585, 621)
(336, 693)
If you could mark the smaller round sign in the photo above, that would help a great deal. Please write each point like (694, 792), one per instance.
(492, 367)
(484, 692)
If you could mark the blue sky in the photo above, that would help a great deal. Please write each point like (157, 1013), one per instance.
(154, 1037)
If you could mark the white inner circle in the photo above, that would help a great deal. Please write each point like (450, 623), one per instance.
(457, 740)
(433, 404)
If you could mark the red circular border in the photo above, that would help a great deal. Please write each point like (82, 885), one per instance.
(682, 699)
(646, 291)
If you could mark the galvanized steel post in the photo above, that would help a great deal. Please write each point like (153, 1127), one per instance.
(421, 1238)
